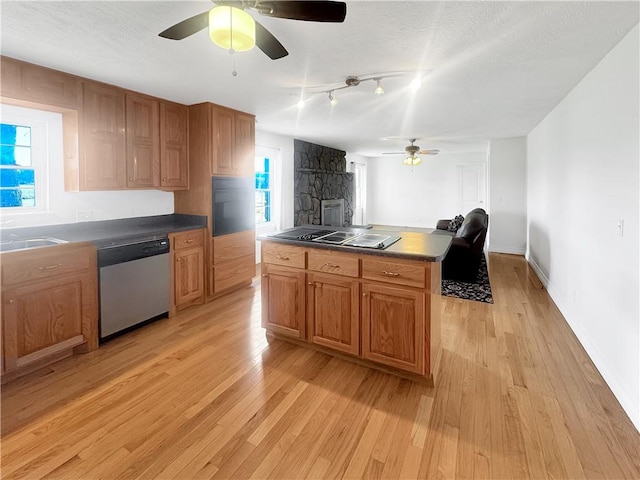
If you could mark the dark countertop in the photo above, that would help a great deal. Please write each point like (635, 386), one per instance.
(428, 245)
(108, 233)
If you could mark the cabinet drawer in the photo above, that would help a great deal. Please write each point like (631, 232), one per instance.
(332, 262)
(400, 273)
(188, 239)
(286, 255)
(236, 245)
(234, 272)
(42, 263)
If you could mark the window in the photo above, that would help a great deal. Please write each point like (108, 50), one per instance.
(263, 190)
(23, 164)
(17, 174)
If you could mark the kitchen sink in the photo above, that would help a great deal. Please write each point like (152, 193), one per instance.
(23, 244)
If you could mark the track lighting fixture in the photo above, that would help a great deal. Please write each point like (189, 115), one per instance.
(354, 81)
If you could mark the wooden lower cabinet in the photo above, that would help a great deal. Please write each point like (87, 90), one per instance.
(393, 328)
(233, 261)
(49, 305)
(333, 313)
(283, 300)
(385, 311)
(187, 251)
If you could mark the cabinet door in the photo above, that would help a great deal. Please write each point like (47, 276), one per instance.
(174, 159)
(333, 312)
(245, 145)
(143, 162)
(224, 123)
(393, 330)
(188, 275)
(42, 318)
(103, 139)
(283, 300)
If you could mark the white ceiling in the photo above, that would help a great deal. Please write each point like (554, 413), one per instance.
(495, 68)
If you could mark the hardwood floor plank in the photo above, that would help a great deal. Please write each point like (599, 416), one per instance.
(205, 395)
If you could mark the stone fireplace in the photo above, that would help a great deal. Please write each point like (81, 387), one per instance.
(320, 174)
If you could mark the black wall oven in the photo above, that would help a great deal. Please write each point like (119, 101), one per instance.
(233, 204)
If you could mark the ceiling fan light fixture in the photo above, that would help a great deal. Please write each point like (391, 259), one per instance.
(232, 28)
(412, 160)
(333, 100)
(379, 90)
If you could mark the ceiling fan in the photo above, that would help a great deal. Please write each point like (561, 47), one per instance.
(412, 152)
(314, 11)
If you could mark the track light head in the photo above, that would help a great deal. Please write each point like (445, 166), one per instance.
(379, 90)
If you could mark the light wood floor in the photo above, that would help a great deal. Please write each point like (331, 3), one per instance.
(204, 395)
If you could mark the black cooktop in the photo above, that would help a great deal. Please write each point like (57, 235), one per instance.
(338, 237)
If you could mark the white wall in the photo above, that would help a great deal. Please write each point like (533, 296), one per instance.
(416, 196)
(64, 206)
(283, 182)
(582, 178)
(507, 195)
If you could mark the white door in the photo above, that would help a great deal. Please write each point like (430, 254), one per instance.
(472, 187)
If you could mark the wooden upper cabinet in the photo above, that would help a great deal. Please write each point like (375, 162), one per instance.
(245, 144)
(102, 138)
(143, 142)
(234, 147)
(223, 161)
(25, 81)
(174, 156)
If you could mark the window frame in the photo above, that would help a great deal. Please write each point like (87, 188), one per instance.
(39, 162)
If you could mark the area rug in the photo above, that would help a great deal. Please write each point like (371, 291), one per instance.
(478, 291)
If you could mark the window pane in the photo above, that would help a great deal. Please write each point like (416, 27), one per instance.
(262, 164)
(262, 181)
(10, 155)
(10, 197)
(15, 135)
(28, 197)
(12, 177)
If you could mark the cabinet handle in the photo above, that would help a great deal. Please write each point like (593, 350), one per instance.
(131, 179)
(164, 179)
(331, 265)
(390, 274)
(309, 283)
(11, 301)
(281, 257)
(190, 240)
(264, 274)
(365, 294)
(50, 267)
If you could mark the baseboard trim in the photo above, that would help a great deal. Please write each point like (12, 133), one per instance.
(508, 250)
(543, 278)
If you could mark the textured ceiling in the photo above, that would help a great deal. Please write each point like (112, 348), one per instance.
(490, 69)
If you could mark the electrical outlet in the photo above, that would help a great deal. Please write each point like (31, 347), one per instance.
(84, 216)
(621, 228)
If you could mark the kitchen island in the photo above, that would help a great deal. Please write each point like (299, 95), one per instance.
(379, 305)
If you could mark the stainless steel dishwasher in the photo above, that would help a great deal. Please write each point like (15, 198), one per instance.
(134, 285)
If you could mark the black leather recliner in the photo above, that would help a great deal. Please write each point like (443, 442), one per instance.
(463, 258)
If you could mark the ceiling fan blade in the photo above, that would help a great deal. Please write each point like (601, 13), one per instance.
(393, 153)
(269, 44)
(311, 11)
(434, 151)
(187, 27)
